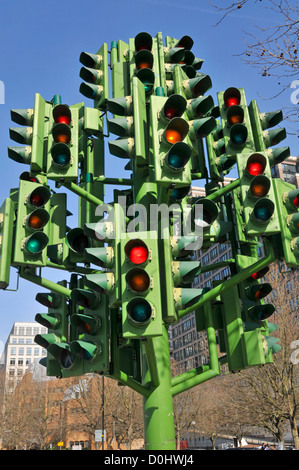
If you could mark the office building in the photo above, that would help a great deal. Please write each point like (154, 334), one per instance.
(21, 351)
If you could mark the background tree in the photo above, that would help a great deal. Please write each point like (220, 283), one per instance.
(274, 49)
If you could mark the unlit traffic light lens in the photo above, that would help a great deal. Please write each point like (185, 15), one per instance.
(138, 280)
(139, 310)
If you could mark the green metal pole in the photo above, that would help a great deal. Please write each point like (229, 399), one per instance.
(83, 193)
(159, 430)
(158, 406)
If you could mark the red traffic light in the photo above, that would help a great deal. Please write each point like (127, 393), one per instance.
(49, 300)
(174, 107)
(39, 196)
(25, 176)
(137, 251)
(232, 97)
(256, 164)
(261, 273)
(62, 114)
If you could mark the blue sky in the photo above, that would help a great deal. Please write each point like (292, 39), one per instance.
(40, 47)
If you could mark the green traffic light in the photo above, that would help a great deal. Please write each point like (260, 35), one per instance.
(36, 243)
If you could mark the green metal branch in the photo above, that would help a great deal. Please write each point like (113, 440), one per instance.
(116, 181)
(224, 190)
(83, 193)
(240, 277)
(46, 283)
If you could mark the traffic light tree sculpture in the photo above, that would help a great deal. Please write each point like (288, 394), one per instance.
(132, 261)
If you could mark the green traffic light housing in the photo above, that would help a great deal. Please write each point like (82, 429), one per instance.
(22, 135)
(48, 320)
(197, 86)
(86, 298)
(147, 77)
(197, 107)
(90, 60)
(86, 323)
(91, 75)
(63, 354)
(24, 117)
(258, 291)
(86, 350)
(186, 42)
(261, 312)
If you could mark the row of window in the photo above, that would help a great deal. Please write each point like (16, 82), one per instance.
(194, 361)
(22, 341)
(29, 351)
(28, 330)
(215, 251)
(184, 326)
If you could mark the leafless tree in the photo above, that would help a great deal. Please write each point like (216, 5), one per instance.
(273, 50)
